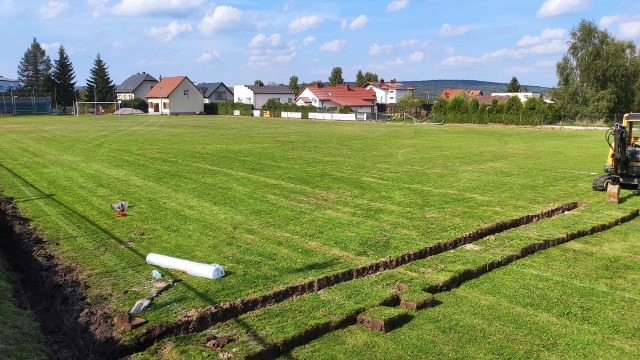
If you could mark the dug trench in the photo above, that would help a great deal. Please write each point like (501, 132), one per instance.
(76, 328)
(275, 350)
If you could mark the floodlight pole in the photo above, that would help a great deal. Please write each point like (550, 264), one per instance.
(13, 102)
(160, 84)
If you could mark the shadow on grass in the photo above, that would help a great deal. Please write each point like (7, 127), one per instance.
(72, 210)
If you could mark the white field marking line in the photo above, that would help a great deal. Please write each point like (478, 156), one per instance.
(577, 283)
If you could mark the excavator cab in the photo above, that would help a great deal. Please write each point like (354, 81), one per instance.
(623, 162)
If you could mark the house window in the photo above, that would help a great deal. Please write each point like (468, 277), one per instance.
(221, 95)
(186, 92)
(290, 100)
(165, 105)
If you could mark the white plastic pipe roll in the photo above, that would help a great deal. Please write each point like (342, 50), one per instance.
(209, 271)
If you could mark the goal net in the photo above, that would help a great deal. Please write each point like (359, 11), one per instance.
(96, 108)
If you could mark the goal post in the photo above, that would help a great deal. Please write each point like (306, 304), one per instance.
(96, 108)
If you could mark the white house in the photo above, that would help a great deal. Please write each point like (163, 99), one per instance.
(259, 95)
(136, 86)
(215, 92)
(524, 96)
(175, 95)
(389, 92)
(358, 99)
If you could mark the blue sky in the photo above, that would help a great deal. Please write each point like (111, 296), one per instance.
(240, 41)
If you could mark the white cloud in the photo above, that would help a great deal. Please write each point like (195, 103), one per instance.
(141, 7)
(344, 24)
(551, 47)
(359, 22)
(416, 56)
(308, 40)
(627, 27)
(53, 9)
(396, 5)
(334, 45)
(50, 49)
(208, 56)
(262, 40)
(448, 30)
(552, 8)
(166, 34)
(304, 23)
(222, 18)
(377, 49)
(546, 35)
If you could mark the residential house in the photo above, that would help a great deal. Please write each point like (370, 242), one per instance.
(388, 92)
(357, 98)
(258, 95)
(136, 86)
(7, 85)
(215, 92)
(524, 96)
(450, 93)
(175, 95)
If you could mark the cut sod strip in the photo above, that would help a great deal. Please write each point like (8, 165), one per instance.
(226, 311)
(367, 315)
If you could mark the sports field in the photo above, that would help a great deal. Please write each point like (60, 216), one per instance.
(280, 203)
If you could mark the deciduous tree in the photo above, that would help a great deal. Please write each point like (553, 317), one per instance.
(598, 74)
(336, 77)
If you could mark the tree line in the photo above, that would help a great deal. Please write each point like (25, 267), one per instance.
(38, 75)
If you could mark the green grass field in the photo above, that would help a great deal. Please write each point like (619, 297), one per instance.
(279, 202)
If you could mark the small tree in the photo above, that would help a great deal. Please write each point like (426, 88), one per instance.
(258, 83)
(63, 77)
(513, 105)
(99, 85)
(293, 84)
(136, 103)
(370, 77)
(336, 77)
(360, 80)
(513, 86)
(34, 70)
(345, 109)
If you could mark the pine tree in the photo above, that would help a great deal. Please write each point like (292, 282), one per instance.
(63, 77)
(34, 70)
(514, 85)
(360, 80)
(336, 77)
(99, 85)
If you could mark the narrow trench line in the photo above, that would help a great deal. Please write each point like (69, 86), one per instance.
(226, 311)
(317, 331)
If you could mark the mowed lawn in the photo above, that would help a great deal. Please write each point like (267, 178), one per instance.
(276, 202)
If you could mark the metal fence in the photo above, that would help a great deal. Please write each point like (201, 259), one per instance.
(24, 105)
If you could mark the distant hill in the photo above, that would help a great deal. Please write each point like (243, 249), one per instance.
(433, 88)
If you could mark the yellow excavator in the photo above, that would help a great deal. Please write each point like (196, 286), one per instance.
(623, 162)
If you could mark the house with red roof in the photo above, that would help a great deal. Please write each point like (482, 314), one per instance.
(450, 93)
(175, 95)
(388, 92)
(357, 98)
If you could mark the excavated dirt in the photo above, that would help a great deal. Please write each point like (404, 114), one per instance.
(73, 328)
